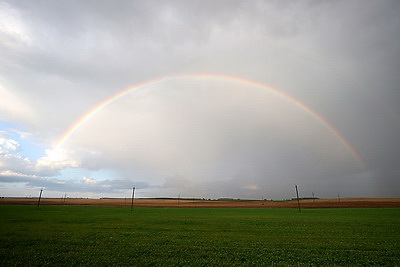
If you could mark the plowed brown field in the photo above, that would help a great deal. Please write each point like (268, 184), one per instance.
(309, 203)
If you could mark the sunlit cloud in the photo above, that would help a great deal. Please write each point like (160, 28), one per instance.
(89, 181)
(56, 160)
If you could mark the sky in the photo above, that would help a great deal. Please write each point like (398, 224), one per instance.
(200, 99)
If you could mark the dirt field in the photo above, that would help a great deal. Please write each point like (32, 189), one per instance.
(317, 203)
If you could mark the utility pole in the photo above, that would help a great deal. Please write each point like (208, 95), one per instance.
(133, 196)
(40, 196)
(298, 200)
(313, 197)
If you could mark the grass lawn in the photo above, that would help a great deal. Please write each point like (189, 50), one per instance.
(94, 236)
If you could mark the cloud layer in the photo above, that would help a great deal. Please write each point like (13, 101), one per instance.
(200, 137)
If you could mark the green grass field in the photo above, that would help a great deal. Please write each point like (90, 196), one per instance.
(192, 237)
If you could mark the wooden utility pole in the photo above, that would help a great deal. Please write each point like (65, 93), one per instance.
(63, 197)
(133, 196)
(313, 197)
(40, 196)
(298, 200)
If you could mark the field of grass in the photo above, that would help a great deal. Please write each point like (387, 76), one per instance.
(94, 236)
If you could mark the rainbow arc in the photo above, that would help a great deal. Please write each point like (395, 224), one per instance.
(102, 105)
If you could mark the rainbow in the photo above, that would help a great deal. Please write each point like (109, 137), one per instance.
(100, 106)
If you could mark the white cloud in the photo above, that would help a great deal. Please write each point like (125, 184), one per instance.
(56, 160)
(10, 157)
(89, 181)
(8, 145)
(12, 161)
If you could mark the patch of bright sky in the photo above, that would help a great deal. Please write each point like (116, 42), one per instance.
(78, 173)
(29, 147)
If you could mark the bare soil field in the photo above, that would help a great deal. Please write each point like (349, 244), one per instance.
(184, 203)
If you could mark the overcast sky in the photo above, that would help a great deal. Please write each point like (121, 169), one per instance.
(313, 98)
